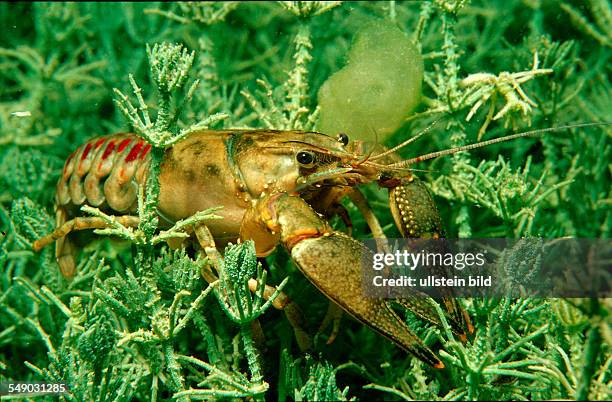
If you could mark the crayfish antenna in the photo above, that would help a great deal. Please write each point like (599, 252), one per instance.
(531, 133)
(408, 141)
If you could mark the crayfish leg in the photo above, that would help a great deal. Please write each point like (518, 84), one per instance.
(361, 203)
(64, 254)
(292, 312)
(281, 302)
(64, 249)
(342, 213)
(333, 317)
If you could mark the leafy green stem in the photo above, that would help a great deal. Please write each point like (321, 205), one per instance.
(591, 354)
(252, 358)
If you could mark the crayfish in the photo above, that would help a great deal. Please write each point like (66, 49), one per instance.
(276, 187)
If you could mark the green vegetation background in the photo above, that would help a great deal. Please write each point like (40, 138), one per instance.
(144, 326)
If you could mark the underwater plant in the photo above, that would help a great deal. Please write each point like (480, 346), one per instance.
(138, 322)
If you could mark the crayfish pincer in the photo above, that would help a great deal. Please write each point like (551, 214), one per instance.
(276, 188)
(332, 261)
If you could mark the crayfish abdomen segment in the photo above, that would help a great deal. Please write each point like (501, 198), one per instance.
(104, 170)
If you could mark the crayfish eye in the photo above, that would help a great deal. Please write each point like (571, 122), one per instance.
(305, 158)
(343, 138)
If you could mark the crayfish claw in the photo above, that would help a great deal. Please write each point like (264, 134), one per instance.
(416, 216)
(421, 306)
(333, 262)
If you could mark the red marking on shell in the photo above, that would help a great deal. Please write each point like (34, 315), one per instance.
(99, 142)
(123, 144)
(134, 152)
(109, 148)
(68, 162)
(86, 151)
(145, 151)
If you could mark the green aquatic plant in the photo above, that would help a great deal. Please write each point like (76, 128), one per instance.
(138, 322)
(206, 13)
(601, 12)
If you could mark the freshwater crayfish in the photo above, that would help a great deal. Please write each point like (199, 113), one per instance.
(277, 187)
